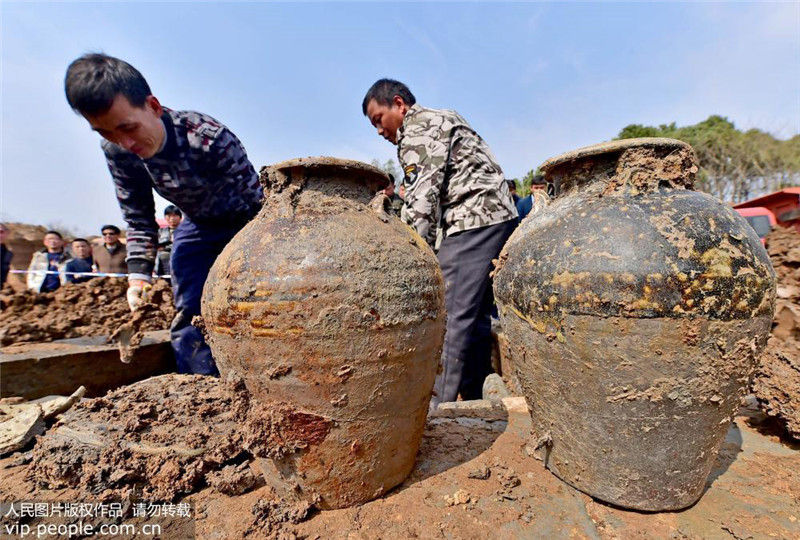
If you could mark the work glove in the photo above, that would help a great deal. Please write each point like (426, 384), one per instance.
(137, 293)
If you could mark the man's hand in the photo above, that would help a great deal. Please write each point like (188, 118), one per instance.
(137, 293)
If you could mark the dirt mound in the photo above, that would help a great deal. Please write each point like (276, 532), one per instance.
(23, 240)
(777, 382)
(157, 439)
(94, 308)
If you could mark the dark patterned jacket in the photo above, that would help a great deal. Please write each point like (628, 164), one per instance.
(203, 169)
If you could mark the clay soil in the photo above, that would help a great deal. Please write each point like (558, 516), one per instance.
(474, 478)
(776, 384)
(95, 308)
(157, 439)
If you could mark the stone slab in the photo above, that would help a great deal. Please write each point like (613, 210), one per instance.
(35, 370)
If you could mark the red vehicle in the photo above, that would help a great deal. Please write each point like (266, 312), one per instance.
(760, 218)
(778, 208)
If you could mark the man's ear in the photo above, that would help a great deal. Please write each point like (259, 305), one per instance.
(400, 103)
(152, 102)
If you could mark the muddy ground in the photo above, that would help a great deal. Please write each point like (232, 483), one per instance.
(474, 478)
(777, 381)
(94, 308)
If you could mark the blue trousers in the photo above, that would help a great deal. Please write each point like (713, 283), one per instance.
(194, 249)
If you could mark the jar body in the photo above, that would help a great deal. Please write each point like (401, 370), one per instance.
(334, 320)
(635, 310)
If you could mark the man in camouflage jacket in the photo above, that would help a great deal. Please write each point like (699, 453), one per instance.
(191, 160)
(452, 182)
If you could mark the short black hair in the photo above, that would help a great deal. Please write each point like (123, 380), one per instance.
(172, 209)
(80, 240)
(383, 92)
(55, 233)
(94, 80)
(112, 228)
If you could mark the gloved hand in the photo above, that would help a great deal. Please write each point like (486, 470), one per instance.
(137, 293)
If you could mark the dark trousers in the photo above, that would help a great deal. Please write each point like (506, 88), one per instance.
(194, 249)
(466, 260)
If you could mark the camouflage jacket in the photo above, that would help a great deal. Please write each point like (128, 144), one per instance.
(451, 177)
(203, 169)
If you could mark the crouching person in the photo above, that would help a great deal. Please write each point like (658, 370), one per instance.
(190, 159)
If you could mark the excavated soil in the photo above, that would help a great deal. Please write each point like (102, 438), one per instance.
(157, 439)
(776, 384)
(94, 308)
(475, 478)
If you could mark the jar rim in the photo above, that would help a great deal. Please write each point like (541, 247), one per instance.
(612, 147)
(321, 162)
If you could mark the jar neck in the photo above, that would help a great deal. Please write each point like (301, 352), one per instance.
(330, 187)
(630, 171)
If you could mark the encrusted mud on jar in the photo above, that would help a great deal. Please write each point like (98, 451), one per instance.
(332, 315)
(635, 309)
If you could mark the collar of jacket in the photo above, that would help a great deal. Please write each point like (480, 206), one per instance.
(171, 144)
(413, 110)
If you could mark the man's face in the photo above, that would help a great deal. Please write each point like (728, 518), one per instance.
(3, 234)
(136, 129)
(81, 249)
(110, 237)
(53, 243)
(173, 220)
(387, 119)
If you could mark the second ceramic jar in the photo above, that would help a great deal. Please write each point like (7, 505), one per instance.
(635, 309)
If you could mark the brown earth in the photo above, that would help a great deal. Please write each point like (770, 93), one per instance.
(776, 384)
(474, 478)
(94, 308)
(156, 439)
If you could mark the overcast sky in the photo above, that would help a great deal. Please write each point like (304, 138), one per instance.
(534, 79)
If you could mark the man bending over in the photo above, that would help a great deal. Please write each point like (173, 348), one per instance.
(190, 159)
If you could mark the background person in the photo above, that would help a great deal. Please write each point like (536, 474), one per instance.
(191, 160)
(453, 183)
(538, 195)
(110, 257)
(512, 187)
(47, 265)
(5, 255)
(395, 200)
(173, 217)
(82, 261)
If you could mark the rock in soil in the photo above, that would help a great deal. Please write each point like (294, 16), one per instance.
(274, 516)
(156, 439)
(234, 479)
(94, 308)
(19, 424)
